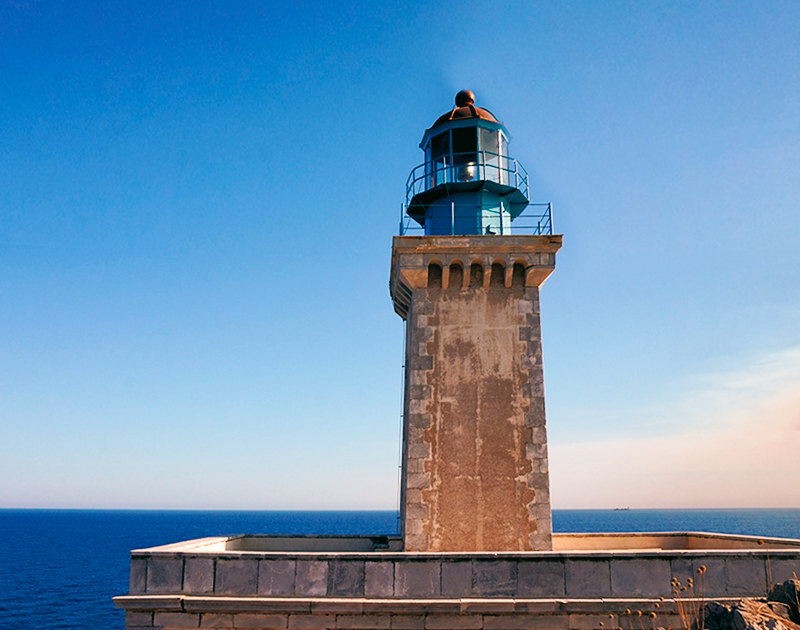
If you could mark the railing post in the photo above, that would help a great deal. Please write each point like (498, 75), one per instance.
(452, 218)
(402, 212)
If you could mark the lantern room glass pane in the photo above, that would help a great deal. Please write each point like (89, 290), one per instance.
(489, 141)
(465, 154)
(503, 161)
(440, 145)
(465, 140)
(489, 153)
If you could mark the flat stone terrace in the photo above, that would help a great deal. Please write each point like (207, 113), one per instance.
(239, 583)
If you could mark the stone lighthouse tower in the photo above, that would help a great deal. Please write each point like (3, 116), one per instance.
(475, 468)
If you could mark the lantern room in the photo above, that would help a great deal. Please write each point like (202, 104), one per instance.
(468, 183)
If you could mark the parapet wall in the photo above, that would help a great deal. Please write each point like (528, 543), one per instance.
(200, 584)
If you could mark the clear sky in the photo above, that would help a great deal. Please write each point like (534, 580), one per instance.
(197, 201)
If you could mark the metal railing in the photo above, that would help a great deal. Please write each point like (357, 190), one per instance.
(536, 219)
(467, 167)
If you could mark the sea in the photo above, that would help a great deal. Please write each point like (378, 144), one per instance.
(60, 568)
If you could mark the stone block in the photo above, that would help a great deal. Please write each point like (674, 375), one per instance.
(419, 450)
(421, 363)
(276, 577)
(534, 353)
(716, 576)
(534, 388)
(589, 622)
(782, 569)
(419, 420)
(138, 580)
(216, 620)
(454, 622)
(417, 406)
(416, 542)
(408, 622)
(535, 451)
(416, 434)
(424, 307)
(140, 619)
(416, 465)
(236, 576)
(527, 333)
(177, 619)
(536, 480)
(541, 465)
(539, 511)
(543, 495)
(541, 579)
(534, 419)
(365, 622)
(164, 575)
(260, 620)
(746, 576)
(418, 377)
(417, 579)
(457, 579)
(418, 480)
(346, 578)
(587, 578)
(198, 575)
(312, 621)
(538, 434)
(417, 510)
(311, 578)
(647, 578)
(378, 579)
(413, 527)
(682, 569)
(413, 496)
(494, 578)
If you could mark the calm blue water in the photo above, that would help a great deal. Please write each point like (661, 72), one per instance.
(60, 568)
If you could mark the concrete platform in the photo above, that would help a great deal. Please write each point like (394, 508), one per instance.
(364, 582)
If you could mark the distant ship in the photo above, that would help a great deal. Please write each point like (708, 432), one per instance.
(625, 509)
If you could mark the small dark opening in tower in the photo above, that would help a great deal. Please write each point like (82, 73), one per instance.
(434, 276)
(498, 278)
(456, 276)
(518, 275)
(476, 275)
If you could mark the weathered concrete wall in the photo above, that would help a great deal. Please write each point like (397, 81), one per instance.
(475, 446)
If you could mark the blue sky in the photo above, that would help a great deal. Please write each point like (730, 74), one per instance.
(196, 209)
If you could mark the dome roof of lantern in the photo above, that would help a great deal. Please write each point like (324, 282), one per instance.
(465, 108)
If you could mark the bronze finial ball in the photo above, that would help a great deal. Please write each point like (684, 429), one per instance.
(464, 98)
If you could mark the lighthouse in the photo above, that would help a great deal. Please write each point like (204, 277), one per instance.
(476, 548)
(466, 280)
